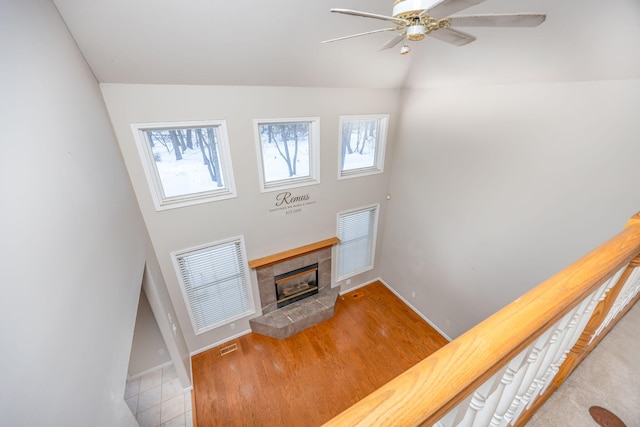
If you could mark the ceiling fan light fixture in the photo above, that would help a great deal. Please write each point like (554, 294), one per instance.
(416, 32)
(414, 19)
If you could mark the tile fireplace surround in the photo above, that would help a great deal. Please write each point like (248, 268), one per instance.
(293, 318)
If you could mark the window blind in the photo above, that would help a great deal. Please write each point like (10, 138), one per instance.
(357, 233)
(215, 284)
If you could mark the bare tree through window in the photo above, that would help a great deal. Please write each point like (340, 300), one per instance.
(187, 162)
(287, 150)
(362, 142)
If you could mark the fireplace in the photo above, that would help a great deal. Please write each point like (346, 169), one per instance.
(285, 283)
(296, 285)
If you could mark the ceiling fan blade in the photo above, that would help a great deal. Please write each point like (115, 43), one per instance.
(452, 36)
(371, 15)
(448, 7)
(499, 20)
(359, 34)
(394, 41)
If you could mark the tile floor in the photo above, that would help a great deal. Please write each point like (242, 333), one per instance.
(157, 399)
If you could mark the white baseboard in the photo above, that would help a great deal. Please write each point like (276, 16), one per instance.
(159, 367)
(155, 368)
(425, 318)
(215, 344)
(362, 285)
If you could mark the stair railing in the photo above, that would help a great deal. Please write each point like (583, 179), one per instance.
(499, 372)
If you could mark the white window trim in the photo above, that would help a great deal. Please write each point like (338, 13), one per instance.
(378, 167)
(174, 257)
(373, 246)
(160, 201)
(314, 154)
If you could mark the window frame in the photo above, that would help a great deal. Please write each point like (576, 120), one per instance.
(242, 262)
(314, 155)
(372, 248)
(381, 143)
(160, 200)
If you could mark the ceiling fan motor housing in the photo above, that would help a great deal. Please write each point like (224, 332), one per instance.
(407, 9)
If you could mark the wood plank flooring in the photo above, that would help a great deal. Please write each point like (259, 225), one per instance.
(310, 377)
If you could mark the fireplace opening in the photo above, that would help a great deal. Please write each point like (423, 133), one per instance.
(296, 285)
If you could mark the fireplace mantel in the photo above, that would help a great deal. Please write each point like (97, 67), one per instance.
(292, 253)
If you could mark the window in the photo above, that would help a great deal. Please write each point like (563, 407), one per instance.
(215, 283)
(357, 234)
(362, 144)
(186, 163)
(288, 152)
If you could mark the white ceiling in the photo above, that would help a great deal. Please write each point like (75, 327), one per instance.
(277, 43)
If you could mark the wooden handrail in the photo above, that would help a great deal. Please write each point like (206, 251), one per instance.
(429, 390)
(634, 220)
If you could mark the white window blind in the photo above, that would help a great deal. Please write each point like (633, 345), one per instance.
(215, 283)
(357, 233)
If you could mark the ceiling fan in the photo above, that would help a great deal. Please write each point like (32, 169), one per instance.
(415, 19)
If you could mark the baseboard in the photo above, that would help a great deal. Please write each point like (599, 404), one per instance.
(155, 368)
(215, 344)
(362, 285)
(425, 318)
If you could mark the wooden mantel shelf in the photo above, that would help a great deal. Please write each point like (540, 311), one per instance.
(292, 253)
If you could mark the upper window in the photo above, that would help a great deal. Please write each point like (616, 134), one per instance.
(288, 152)
(362, 144)
(186, 163)
(215, 283)
(357, 234)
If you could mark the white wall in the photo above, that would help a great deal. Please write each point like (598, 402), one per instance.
(265, 233)
(72, 252)
(164, 312)
(148, 350)
(494, 189)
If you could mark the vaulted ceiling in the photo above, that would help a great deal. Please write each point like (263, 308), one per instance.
(277, 43)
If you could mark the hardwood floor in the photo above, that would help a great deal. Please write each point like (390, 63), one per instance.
(310, 377)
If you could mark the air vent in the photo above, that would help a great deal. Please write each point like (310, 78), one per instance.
(228, 349)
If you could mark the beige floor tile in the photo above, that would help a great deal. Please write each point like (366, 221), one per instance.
(187, 401)
(172, 408)
(150, 380)
(175, 422)
(150, 417)
(171, 389)
(132, 388)
(169, 373)
(132, 403)
(149, 398)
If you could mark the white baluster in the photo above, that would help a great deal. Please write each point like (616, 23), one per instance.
(504, 397)
(629, 290)
(570, 334)
(529, 356)
(494, 393)
(546, 354)
(533, 361)
(575, 328)
(478, 400)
